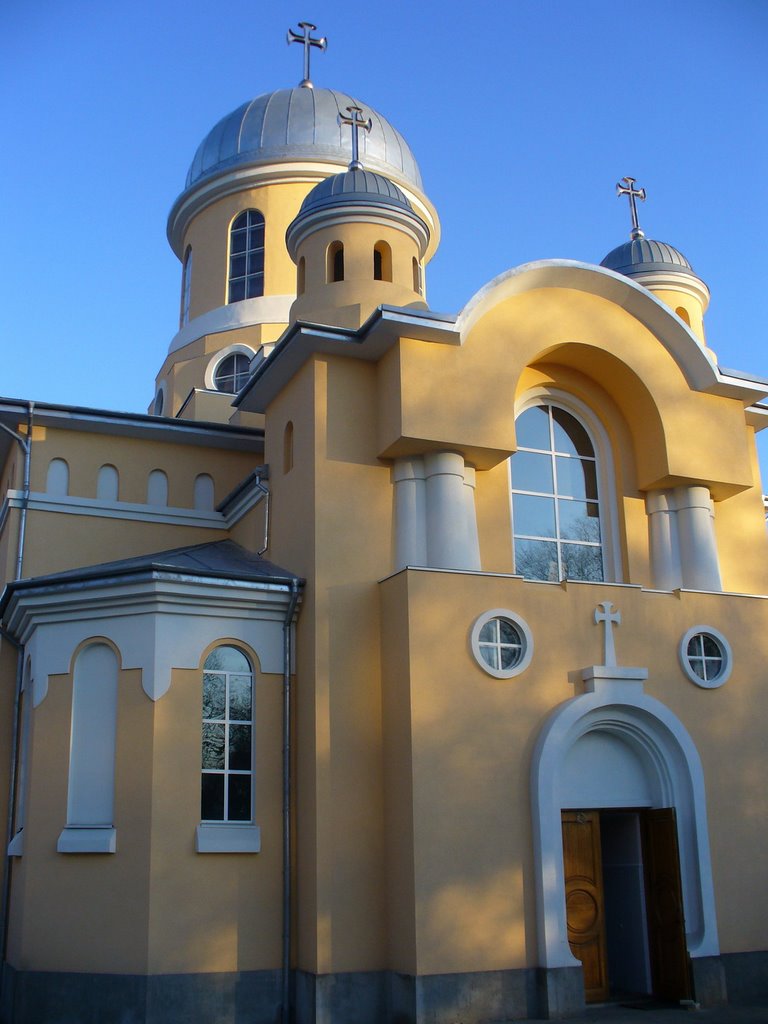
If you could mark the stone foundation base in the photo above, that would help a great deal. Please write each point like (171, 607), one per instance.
(366, 997)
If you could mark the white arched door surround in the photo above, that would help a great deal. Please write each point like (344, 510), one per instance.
(665, 769)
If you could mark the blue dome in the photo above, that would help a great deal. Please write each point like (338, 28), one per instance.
(300, 124)
(358, 187)
(642, 255)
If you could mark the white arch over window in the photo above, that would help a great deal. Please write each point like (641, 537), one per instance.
(91, 785)
(545, 395)
(107, 483)
(157, 488)
(57, 480)
(662, 765)
(204, 492)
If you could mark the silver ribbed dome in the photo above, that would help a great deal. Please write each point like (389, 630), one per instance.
(300, 124)
(643, 255)
(359, 187)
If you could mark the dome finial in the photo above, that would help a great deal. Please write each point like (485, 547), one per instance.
(357, 122)
(626, 189)
(307, 42)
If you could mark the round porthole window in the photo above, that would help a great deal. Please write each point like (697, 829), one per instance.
(501, 643)
(705, 656)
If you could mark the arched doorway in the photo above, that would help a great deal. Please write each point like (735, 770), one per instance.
(620, 835)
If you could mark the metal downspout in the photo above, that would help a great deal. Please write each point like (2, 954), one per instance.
(266, 492)
(5, 901)
(287, 784)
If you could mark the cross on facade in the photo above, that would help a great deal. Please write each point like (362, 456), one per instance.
(357, 121)
(624, 188)
(609, 618)
(307, 42)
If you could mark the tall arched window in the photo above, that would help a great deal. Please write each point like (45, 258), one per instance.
(555, 501)
(246, 256)
(186, 283)
(227, 742)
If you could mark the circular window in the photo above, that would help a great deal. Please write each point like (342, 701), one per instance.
(502, 643)
(705, 656)
(231, 374)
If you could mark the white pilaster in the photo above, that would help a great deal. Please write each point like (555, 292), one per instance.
(448, 544)
(410, 512)
(696, 531)
(664, 544)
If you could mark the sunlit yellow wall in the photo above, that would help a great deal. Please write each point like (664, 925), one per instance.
(463, 740)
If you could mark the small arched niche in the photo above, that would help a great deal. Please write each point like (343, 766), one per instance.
(107, 483)
(335, 262)
(57, 479)
(157, 488)
(382, 262)
(204, 493)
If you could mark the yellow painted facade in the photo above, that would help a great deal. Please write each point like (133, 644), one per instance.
(438, 668)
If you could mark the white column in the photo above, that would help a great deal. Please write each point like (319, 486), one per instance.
(410, 512)
(473, 541)
(448, 545)
(698, 545)
(666, 570)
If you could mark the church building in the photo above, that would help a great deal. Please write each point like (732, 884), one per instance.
(397, 667)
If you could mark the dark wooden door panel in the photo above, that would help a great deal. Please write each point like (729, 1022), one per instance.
(664, 901)
(584, 900)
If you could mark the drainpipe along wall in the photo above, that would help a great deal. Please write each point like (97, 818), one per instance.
(287, 809)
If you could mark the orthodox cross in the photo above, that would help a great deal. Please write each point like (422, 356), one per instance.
(307, 42)
(609, 618)
(357, 121)
(626, 189)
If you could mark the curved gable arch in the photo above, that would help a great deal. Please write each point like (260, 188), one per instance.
(658, 745)
(674, 335)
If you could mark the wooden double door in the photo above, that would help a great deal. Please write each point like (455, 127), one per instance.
(624, 902)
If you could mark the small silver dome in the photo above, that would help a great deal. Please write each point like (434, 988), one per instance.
(300, 124)
(359, 187)
(643, 255)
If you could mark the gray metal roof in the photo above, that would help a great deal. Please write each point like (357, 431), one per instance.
(297, 124)
(223, 559)
(359, 186)
(644, 254)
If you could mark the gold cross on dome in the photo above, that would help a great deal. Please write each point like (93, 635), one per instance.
(624, 188)
(357, 121)
(307, 42)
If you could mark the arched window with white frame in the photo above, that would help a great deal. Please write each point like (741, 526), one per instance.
(561, 479)
(246, 256)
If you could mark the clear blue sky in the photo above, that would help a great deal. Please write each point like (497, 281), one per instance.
(522, 122)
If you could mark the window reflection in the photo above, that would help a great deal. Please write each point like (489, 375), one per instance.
(555, 508)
